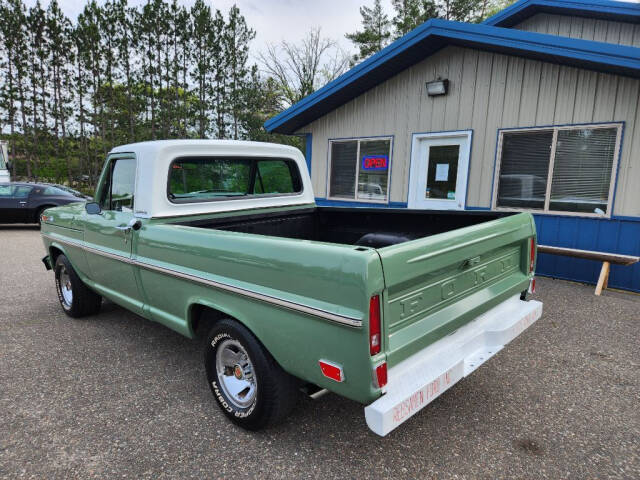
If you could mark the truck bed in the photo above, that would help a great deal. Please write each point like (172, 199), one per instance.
(434, 271)
(371, 227)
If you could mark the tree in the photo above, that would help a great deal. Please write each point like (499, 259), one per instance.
(301, 69)
(58, 31)
(236, 43)
(88, 39)
(491, 7)
(463, 10)
(37, 47)
(205, 41)
(219, 84)
(375, 33)
(124, 45)
(14, 43)
(411, 13)
(263, 102)
(71, 90)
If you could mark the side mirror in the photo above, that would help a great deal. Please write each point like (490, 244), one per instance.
(92, 208)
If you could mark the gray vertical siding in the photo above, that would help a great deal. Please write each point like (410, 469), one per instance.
(487, 92)
(586, 28)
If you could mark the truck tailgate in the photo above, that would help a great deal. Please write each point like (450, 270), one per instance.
(435, 285)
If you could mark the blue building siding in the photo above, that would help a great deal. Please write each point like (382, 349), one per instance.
(616, 235)
(323, 202)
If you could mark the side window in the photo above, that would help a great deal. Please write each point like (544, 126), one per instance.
(5, 191)
(22, 191)
(53, 191)
(118, 190)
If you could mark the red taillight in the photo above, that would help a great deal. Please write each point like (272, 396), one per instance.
(532, 255)
(381, 375)
(331, 370)
(374, 325)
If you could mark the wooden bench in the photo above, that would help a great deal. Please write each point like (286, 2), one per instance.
(606, 258)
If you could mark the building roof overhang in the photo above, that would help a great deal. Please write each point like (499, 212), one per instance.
(435, 34)
(598, 9)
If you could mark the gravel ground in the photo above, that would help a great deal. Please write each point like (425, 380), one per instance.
(115, 396)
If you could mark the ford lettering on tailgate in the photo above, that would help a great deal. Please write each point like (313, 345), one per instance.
(445, 290)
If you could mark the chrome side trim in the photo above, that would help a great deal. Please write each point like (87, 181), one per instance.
(249, 293)
(316, 312)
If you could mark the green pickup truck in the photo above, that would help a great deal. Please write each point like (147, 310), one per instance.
(386, 307)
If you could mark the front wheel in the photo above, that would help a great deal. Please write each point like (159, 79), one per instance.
(249, 386)
(77, 300)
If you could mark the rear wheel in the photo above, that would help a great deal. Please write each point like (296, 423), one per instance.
(249, 386)
(77, 300)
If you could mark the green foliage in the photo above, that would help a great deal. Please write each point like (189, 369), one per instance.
(409, 14)
(412, 13)
(375, 33)
(71, 91)
(496, 6)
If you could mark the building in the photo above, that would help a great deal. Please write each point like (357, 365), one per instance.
(536, 109)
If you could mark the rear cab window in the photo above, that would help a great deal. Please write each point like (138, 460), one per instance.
(206, 179)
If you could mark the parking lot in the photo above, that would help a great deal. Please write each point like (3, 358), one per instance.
(115, 396)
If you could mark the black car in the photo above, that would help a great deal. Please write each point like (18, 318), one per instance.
(24, 202)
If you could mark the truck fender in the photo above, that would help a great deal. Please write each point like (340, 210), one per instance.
(55, 249)
(197, 302)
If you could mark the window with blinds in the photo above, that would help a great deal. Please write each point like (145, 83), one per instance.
(560, 169)
(359, 169)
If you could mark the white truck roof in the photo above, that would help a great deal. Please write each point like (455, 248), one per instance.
(154, 159)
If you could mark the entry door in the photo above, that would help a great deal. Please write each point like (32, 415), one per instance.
(109, 239)
(439, 169)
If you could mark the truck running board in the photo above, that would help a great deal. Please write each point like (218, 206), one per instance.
(423, 377)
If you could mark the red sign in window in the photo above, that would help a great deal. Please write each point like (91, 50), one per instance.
(375, 162)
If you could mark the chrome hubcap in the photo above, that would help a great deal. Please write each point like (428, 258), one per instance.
(65, 287)
(236, 374)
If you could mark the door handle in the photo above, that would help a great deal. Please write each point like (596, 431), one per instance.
(23, 203)
(134, 224)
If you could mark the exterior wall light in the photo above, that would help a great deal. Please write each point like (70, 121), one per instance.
(437, 87)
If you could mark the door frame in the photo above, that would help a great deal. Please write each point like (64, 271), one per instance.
(113, 248)
(462, 178)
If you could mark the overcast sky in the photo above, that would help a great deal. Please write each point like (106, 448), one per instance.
(274, 20)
